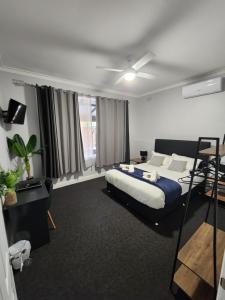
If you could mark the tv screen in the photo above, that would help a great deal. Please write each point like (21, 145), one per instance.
(16, 112)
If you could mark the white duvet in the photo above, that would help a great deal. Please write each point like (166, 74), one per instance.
(144, 192)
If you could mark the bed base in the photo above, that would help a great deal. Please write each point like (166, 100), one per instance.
(152, 215)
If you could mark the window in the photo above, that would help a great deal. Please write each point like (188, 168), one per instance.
(87, 109)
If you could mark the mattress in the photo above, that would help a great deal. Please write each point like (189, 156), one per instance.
(144, 192)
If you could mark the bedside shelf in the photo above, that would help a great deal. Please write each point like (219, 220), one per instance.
(201, 257)
(212, 151)
(192, 285)
(137, 160)
(219, 182)
(197, 253)
(219, 197)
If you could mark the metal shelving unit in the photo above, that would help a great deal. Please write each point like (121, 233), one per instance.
(201, 257)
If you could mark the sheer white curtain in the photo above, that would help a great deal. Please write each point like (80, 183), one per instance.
(87, 109)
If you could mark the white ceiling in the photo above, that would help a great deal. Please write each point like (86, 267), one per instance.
(70, 38)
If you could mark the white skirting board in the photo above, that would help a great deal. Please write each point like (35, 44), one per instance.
(63, 183)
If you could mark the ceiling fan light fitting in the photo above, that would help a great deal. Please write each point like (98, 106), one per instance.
(129, 76)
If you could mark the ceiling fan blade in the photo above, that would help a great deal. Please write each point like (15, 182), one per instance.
(110, 69)
(119, 80)
(143, 61)
(145, 75)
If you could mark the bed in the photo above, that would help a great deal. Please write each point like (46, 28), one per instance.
(146, 199)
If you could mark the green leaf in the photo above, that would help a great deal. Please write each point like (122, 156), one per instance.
(31, 144)
(11, 180)
(39, 151)
(19, 147)
(19, 150)
(10, 145)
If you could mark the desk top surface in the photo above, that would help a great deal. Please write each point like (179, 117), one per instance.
(31, 195)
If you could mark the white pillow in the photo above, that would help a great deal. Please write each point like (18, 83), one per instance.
(189, 160)
(178, 165)
(156, 160)
(167, 159)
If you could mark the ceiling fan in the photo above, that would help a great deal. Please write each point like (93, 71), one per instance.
(131, 73)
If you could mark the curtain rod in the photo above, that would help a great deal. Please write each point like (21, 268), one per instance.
(18, 82)
(23, 83)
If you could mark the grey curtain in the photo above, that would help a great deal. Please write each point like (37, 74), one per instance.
(112, 140)
(60, 132)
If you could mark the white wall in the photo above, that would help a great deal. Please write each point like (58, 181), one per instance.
(168, 115)
(162, 115)
(27, 96)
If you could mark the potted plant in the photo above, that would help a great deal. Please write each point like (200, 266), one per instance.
(8, 181)
(17, 147)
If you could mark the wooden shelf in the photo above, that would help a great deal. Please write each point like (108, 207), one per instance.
(192, 285)
(212, 151)
(197, 253)
(219, 197)
(218, 182)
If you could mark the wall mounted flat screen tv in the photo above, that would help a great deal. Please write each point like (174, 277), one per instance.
(16, 112)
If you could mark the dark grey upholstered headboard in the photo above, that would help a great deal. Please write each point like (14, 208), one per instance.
(180, 147)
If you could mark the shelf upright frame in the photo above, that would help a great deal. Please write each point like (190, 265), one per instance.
(215, 201)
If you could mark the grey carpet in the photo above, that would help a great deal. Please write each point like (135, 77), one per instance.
(102, 251)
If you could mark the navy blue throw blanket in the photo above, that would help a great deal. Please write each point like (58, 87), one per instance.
(171, 188)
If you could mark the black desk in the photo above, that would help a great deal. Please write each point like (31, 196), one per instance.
(28, 219)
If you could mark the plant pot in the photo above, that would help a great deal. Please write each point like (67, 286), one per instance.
(10, 198)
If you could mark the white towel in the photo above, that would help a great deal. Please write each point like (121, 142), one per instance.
(129, 168)
(152, 176)
(124, 167)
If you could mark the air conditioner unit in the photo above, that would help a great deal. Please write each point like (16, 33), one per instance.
(206, 87)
